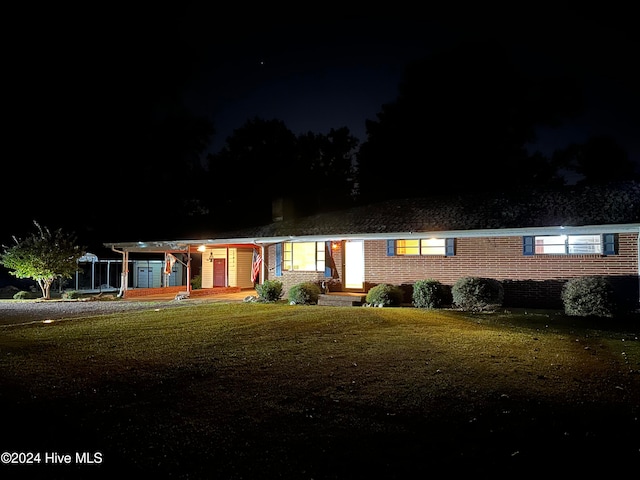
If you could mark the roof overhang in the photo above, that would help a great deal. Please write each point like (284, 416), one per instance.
(190, 245)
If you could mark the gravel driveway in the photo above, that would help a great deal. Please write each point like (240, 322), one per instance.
(24, 311)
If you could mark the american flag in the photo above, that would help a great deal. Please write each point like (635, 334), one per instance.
(170, 262)
(255, 266)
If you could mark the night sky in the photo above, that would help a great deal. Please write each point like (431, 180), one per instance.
(80, 81)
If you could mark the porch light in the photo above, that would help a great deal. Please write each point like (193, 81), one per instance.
(335, 246)
(210, 258)
(202, 248)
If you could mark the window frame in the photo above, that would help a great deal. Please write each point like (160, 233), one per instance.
(288, 257)
(607, 245)
(448, 247)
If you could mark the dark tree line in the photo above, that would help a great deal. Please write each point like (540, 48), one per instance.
(264, 162)
(462, 123)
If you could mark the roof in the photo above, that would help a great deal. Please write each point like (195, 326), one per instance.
(572, 207)
(457, 215)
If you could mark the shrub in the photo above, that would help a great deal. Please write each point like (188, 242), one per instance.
(23, 295)
(477, 293)
(385, 295)
(429, 293)
(196, 282)
(71, 294)
(588, 296)
(269, 290)
(304, 293)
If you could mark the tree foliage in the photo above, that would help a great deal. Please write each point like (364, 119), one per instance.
(311, 172)
(257, 158)
(597, 161)
(170, 164)
(326, 167)
(462, 122)
(43, 256)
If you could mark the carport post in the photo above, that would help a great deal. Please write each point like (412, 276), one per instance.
(189, 270)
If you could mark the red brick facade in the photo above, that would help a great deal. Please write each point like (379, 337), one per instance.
(528, 280)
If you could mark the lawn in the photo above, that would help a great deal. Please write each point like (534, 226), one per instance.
(250, 390)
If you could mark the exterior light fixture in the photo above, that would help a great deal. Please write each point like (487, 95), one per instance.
(335, 246)
(210, 258)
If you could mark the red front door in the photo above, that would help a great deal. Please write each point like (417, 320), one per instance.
(219, 272)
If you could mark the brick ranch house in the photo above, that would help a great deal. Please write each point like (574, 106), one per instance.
(532, 242)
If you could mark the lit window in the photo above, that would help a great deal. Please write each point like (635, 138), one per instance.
(304, 256)
(551, 244)
(408, 247)
(568, 244)
(423, 246)
(584, 244)
(432, 246)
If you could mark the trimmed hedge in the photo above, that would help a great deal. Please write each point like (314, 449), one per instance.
(270, 291)
(305, 293)
(430, 293)
(588, 296)
(477, 294)
(385, 295)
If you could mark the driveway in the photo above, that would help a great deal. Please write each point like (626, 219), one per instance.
(14, 312)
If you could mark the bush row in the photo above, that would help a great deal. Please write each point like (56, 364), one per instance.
(468, 293)
(584, 296)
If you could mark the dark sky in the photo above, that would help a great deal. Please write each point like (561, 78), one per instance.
(79, 81)
(321, 73)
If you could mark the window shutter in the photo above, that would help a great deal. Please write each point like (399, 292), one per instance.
(450, 247)
(327, 259)
(609, 244)
(391, 248)
(278, 259)
(528, 245)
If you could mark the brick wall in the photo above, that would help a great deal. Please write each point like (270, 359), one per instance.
(528, 280)
(500, 258)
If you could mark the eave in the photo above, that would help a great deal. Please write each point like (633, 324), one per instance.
(188, 245)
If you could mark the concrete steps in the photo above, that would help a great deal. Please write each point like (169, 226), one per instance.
(342, 299)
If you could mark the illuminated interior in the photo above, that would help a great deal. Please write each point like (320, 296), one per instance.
(304, 256)
(573, 244)
(421, 246)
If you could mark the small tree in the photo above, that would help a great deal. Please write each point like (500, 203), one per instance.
(43, 256)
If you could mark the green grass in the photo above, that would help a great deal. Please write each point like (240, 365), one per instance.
(278, 391)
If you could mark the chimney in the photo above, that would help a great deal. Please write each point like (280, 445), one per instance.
(282, 208)
(277, 213)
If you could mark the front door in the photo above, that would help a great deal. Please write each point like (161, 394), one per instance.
(219, 272)
(354, 265)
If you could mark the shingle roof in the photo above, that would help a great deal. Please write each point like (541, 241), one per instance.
(594, 205)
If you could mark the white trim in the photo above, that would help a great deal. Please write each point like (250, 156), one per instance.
(183, 245)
